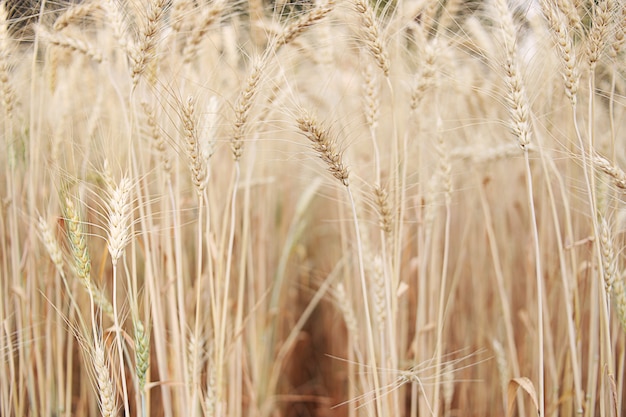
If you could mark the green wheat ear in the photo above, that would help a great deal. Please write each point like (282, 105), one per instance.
(142, 353)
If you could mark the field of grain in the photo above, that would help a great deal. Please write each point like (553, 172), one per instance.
(312, 208)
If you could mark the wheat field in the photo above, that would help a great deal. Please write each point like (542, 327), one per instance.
(312, 208)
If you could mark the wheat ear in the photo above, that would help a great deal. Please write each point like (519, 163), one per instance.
(325, 146)
(145, 51)
(243, 106)
(117, 20)
(598, 34)
(617, 175)
(142, 353)
(7, 91)
(516, 91)
(158, 142)
(619, 300)
(106, 389)
(307, 20)
(78, 245)
(565, 47)
(51, 244)
(385, 214)
(426, 77)
(371, 35)
(619, 35)
(210, 16)
(69, 42)
(197, 164)
(119, 216)
(609, 261)
(75, 14)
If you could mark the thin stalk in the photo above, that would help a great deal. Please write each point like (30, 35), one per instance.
(199, 253)
(504, 299)
(440, 311)
(118, 341)
(365, 293)
(538, 269)
(221, 342)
